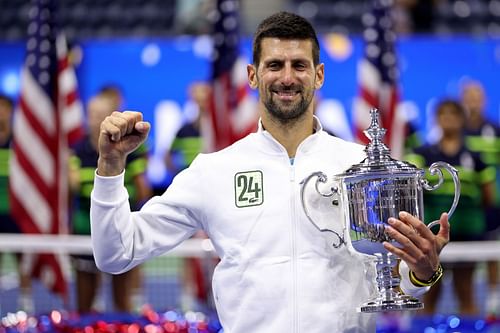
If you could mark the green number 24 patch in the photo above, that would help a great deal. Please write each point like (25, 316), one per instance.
(248, 188)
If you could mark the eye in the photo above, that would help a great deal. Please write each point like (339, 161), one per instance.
(274, 65)
(300, 66)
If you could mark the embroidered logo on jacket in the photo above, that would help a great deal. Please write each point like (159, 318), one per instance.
(248, 188)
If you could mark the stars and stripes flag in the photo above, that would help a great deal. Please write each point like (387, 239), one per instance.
(233, 112)
(378, 78)
(48, 115)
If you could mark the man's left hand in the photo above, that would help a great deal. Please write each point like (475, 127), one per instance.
(419, 247)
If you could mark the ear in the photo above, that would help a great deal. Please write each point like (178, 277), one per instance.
(252, 76)
(320, 76)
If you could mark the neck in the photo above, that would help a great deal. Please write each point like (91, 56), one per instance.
(450, 144)
(4, 136)
(475, 122)
(289, 135)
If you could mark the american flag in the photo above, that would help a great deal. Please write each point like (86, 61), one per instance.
(49, 114)
(232, 109)
(378, 77)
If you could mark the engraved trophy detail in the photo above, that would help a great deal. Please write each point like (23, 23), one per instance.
(368, 194)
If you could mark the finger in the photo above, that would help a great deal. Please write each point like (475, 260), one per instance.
(400, 253)
(444, 230)
(405, 241)
(133, 117)
(417, 224)
(137, 116)
(404, 228)
(142, 127)
(108, 129)
(123, 121)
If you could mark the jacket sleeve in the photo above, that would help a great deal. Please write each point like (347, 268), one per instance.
(122, 239)
(406, 285)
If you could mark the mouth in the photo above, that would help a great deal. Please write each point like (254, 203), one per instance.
(286, 94)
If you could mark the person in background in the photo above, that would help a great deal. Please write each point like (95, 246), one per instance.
(7, 223)
(187, 144)
(114, 94)
(189, 139)
(483, 136)
(469, 221)
(419, 15)
(277, 272)
(82, 166)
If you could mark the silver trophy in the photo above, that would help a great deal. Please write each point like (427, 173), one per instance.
(369, 193)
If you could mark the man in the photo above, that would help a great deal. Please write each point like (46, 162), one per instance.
(277, 272)
(83, 164)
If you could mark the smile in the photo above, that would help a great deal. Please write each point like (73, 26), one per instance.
(286, 94)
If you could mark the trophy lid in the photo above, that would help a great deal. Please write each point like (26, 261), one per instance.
(378, 159)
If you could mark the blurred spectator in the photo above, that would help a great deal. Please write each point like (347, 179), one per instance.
(189, 140)
(7, 223)
(483, 137)
(193, 16)
(82, 167)
(114, 94)
(468, 222)
(420, 14)
(188, 143)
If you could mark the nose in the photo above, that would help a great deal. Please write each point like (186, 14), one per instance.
(288, 75)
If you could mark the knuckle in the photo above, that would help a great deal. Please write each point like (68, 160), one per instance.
(421, 257)
(412, 233)
(426, 249)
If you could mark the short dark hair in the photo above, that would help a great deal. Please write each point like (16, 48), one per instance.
(285, 25)
(452, 104)
(8, 100)
(110, 89)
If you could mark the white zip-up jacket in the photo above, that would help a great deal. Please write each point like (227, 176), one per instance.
(277, 272)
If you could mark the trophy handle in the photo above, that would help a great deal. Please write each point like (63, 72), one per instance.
(434, 169)
(334, 191)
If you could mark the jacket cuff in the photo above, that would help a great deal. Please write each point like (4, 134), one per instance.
(406, 286)
(109, 189)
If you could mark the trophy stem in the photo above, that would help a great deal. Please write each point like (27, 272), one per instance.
(389, 297)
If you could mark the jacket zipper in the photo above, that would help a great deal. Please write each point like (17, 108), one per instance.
(295, 311)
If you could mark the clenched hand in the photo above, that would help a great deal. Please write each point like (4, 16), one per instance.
(120, 134)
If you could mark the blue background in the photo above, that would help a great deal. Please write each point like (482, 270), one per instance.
(153, 70)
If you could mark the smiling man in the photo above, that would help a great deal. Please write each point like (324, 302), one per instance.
(277, 273)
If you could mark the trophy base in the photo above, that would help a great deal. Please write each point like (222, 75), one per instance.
(398, 303)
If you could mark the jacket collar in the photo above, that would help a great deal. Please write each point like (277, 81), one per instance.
(271, 145)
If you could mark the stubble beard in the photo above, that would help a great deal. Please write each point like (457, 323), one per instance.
(287, 114)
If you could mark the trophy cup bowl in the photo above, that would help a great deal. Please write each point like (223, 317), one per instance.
(371, 192)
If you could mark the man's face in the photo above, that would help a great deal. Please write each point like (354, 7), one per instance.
(286, 77)
(473, 99)
(450, 120)
(98, 109)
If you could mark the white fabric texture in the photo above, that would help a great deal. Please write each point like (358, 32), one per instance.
(277, 272)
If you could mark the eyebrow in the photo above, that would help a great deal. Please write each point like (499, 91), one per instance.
(281, 60)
